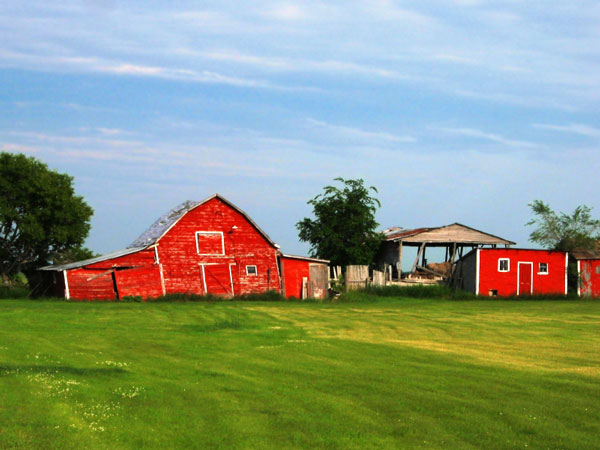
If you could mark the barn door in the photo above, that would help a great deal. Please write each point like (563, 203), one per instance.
(218, 279)
(525, 278)
(318, 280)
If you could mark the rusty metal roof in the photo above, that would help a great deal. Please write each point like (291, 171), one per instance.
(583, 253)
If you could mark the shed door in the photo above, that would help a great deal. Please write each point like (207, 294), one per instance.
(218, 279)
(525, 282)
(318, 280)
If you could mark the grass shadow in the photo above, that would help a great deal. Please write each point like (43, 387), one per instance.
(7, 369)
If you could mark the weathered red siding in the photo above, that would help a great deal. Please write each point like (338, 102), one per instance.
(589, 277)
(180, 262)
(243, 245)
(293, 272)
(505, 283)
(96, 282)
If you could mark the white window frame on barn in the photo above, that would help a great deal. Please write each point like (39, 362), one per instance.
(543, 272)
(502, 260)
(251, 274)
(199, 233)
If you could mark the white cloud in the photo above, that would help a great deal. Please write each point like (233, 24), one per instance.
(479, 134)
(573, 128)
(360, 134)
(287, 12)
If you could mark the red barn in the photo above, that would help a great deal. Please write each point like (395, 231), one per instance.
(208, 247)
(588, 271)
(512, 271)
(304, 277)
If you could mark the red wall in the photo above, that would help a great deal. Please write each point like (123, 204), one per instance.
(178, 256)
(506, 282)
(244, 246)
(95, 282)
(589, 277)
(293, 271)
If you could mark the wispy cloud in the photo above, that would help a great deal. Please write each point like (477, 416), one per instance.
(358, 133)
(479, 134)
(572, 128)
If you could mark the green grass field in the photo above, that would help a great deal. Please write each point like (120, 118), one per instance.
(394, 373)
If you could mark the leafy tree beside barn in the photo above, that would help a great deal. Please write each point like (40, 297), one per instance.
(344, 227)
(41, 217)
(564, 232)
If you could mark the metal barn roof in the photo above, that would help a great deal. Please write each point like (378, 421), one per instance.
(164, 223)
(97, 259)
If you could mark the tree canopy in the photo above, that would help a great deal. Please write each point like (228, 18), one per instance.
(344, 227)
(40, 215)
(561, 231)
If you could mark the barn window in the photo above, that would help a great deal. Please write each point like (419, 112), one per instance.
(543, 269)
(210, 243)
(597, 270)
(251, 270)
(503, 265)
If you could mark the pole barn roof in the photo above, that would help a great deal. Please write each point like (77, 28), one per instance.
(448, 234)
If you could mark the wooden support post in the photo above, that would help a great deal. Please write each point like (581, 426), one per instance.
(424, 261)
(414, 267)
(399, 265)
(453, 253)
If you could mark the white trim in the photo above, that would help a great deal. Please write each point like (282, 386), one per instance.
(204, 279)
(162, 279)
(67, 293)
(477, 262)
(519, 276)
(231, 279)
(578, 278)
(255, 268)
(211, 254)
(156, 258)
(547, 269)
(507, 266)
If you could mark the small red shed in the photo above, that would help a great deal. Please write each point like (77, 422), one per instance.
(512, 271)
(304, 277)
(588, 272)
(207, 247)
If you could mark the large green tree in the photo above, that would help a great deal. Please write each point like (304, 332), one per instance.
(344, 227)
(40, 215)
(561, 231)
(564, 232)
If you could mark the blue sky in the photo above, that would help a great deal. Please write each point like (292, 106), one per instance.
(456, 110)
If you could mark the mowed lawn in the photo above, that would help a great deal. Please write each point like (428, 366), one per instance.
(396, 373)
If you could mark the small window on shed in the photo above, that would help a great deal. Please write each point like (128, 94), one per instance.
(503, 265)
(210, 243)
(543, 269)
(251, 270)
(597, 270)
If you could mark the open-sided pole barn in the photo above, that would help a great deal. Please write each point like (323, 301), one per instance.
(455, 238)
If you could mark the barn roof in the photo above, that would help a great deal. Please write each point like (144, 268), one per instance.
(581, 253)
(306, 258)
(447, 234)
(97, 259)
(164, 223)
